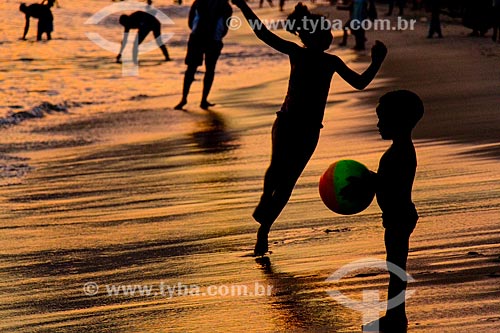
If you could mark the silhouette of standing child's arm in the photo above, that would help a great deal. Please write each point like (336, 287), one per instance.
(361, 81)
(262, 32)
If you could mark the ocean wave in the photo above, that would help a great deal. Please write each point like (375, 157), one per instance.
(38, 111)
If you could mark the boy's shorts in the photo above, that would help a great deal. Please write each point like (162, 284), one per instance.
(197, 48)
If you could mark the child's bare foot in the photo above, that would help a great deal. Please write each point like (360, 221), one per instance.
(180, 105)
(262, 246)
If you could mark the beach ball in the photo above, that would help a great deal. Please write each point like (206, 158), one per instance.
(335, 178)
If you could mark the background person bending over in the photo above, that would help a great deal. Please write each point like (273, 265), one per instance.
(145, 23)
(207, 20)
(43, 14)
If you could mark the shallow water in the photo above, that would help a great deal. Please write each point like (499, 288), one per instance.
(120, 189)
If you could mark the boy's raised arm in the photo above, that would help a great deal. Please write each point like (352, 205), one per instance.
(361, 81)
(261, 30)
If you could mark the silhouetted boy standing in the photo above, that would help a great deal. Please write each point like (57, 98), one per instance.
(398, 113)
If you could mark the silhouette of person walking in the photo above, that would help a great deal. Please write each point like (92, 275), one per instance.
(208, 23)
(398, 113)
(144, 23)
(296, 130)
(435, 24)
(45, 18)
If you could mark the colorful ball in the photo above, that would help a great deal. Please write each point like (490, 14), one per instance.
(335, 179)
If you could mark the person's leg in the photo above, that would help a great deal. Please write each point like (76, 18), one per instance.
(360, 39)
(433, 26)
(188, 80)
(438, 26)
(397, 247)
(273, 173)
(291, 153)
(391, 7)
(211, 56)
(401, 5)
(194, 58)
(163, 48)
(345, 34)
(50, 28)
(141, 35)
(496, 31)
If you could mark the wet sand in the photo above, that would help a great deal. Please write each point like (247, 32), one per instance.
(127, 191)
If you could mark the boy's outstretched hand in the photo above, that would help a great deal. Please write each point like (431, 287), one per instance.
(379, 51)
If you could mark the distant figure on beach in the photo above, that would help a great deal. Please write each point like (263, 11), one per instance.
(478, 16)
(296, 130)
(435, 24)
(359, 14)
(347, 25)
(45, 18)
(208, 23)
(358, 11)
(398, 113)
(496, 21)
(372, 10)
(400, 4)
(144, 23)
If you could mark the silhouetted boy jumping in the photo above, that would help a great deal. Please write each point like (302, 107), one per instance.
(144, 23)
(296, 129)
(398, 113)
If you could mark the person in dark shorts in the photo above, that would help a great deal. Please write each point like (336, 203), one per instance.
(435, 25)
(145, 23)
(208, 24)
(45, 18)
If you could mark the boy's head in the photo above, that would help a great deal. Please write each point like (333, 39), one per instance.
(398, 113)
(23, 7)
(309, 28)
